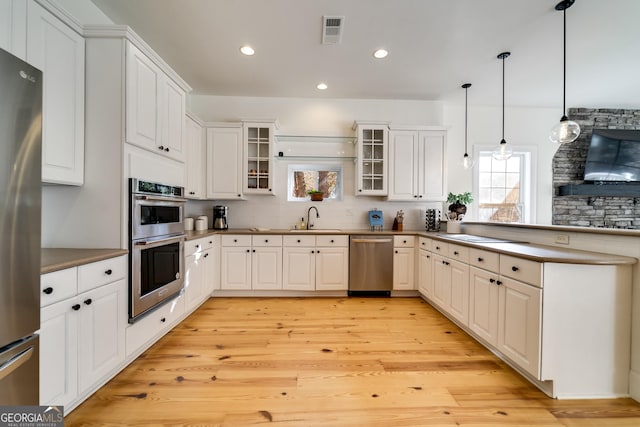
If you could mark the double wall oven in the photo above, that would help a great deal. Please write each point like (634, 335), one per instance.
(156, 246)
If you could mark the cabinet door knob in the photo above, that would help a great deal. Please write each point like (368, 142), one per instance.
(248, 251)
(480, 259)
(404, 241)
(415, 196)
(428, 256)
(396, 251)
(437, 248)
(108, 272)
(514, 268)
(235, 240)
(197, 246)
(76, 307)
(266, 240)
(253, 250)
(48, 290)
(498, 283)
(420, 196)
(456, 253)
(164, 319)
(206, 255)
(88, 301)
(332, 241)
(318, 251)
(312, 252)
(239, 195)
(298, 240)
(166, 149)
(161, 147)
(492, 280)
(360, 190)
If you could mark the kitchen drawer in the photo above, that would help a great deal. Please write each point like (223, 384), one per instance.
(299, 241)
(424, 243)
(459, 253)
(439, 247)
(145, 330)
(404, 241)
(266, 240)
(524, 270)
(485, 259)
(236, 240)
(58, 285)
(194, 246)
(96, 274)
(328, 241)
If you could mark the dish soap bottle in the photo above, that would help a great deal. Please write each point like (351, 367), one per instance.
(302, 225)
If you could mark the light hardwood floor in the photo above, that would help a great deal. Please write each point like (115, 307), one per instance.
(330, 362)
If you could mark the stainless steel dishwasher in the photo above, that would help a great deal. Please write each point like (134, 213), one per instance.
(370, 265)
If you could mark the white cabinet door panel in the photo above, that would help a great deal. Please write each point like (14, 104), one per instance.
(298, 269)
(266, 268)
(332, 269)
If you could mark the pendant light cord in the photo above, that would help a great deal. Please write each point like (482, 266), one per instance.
(503, 58)
(564, 63)
(465, 120)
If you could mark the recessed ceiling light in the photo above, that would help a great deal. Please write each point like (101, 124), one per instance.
(322, 86)
(380, 53)
(247, 50)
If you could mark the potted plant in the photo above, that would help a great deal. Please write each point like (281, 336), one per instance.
(316, 195)
(458, 206)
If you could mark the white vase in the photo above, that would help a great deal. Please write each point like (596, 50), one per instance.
(453, 226)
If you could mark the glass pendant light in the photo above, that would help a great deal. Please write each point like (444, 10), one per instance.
(566, 130)
(467, 160)
(503, 152)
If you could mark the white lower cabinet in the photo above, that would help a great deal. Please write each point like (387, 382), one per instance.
(315, 263)
(403, 262)
(82, 338)
(425, 267)
(151, 327)
(451, 287)
(251, 262)
(200, 270)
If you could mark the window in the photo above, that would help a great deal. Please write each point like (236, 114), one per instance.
(503, 187)
(304, 178)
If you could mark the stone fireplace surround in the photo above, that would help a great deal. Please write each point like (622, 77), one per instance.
(568, 168)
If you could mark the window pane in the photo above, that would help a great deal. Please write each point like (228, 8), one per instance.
(513, 164)
(484, 164)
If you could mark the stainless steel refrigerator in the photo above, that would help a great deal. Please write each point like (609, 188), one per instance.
(20, 212)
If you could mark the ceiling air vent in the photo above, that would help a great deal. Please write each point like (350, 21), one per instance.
(332, 29)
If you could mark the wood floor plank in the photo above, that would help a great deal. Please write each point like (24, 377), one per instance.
(330, 362)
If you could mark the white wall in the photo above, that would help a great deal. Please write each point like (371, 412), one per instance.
(523, 127)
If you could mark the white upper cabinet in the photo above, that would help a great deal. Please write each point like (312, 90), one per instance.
(58, 51)
(417, 170)
(224, 162)
(372, 159)
(258, 157)
(155, 107)
(196, 160)
(13, 27)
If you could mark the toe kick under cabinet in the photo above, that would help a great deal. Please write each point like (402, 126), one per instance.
(564, 326)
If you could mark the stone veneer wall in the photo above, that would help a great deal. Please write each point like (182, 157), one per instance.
(568, 168)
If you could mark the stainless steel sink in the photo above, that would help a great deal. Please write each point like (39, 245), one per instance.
(475, 239)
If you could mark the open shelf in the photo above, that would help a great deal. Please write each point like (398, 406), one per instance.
(316, 138)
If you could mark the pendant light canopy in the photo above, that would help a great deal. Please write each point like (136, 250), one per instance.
(503, 152)
(467, 160)
(566, 130)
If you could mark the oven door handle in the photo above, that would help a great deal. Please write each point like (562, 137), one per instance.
(159, 241)
(161, 198)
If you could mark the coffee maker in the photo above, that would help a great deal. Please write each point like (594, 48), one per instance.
(220, 217)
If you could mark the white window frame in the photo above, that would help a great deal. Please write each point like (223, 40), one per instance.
(330, 167)
(528, 168)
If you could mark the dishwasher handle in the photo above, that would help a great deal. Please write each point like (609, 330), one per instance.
(371, 240)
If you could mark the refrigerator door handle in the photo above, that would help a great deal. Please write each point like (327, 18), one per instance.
(15, 362)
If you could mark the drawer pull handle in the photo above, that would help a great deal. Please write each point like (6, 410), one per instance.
(298, 240)
(266, 240)
(480, 259)
(318, 251)
(197, 246)
(437, 248)
(312, 252)
(76, 307)
(88, 301)
(235, 240)
(514, 268)
(404, 241)
(248, 251)
(48, 290)
(498, 283)
(492, 280)
(428, 256)
(164, 319)
(332, 241)
(108, 272)
(456, 253)
(252, 251)
(396, 251)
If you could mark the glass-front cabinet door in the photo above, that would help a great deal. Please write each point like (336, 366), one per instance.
(372, 158)
(258, 158)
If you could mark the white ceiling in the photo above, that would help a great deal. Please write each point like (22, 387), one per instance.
(434, 45)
